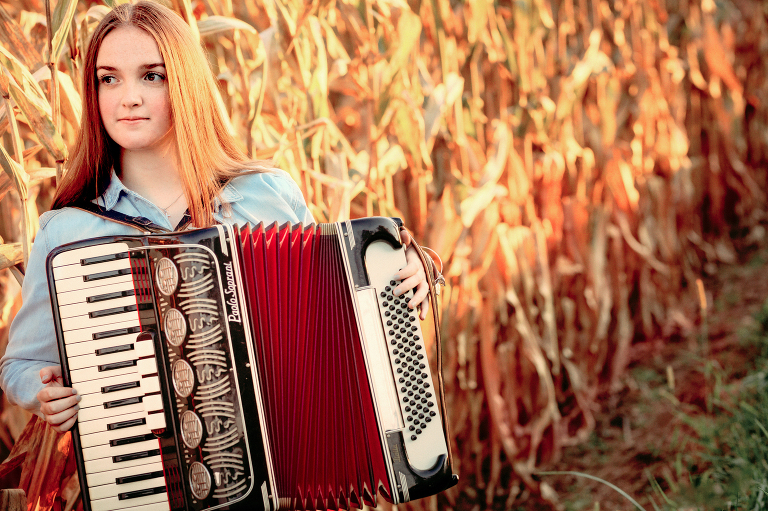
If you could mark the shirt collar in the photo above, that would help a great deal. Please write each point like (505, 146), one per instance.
(228, 195)
(111, 195)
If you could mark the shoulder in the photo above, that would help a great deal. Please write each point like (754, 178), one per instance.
(273, 182)
(276, 179)
(66, 225)
(266, 197)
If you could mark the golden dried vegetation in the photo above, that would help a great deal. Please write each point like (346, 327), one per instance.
(577, 165)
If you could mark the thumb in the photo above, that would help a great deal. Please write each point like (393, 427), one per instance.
(405, 237)
(50, 374)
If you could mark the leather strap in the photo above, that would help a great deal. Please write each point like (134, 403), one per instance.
(144, 225)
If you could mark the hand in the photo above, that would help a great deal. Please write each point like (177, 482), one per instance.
(413, 276)
(58, 404)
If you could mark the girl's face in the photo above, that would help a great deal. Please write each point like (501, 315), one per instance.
(133, 91)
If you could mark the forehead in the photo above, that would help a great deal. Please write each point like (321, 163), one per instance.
(127, 45)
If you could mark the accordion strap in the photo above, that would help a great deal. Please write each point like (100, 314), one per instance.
(145, 225)
(434, 276)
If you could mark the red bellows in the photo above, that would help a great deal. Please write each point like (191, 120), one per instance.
(323, 434)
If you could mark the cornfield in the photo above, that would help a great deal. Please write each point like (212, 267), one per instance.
(577, 166)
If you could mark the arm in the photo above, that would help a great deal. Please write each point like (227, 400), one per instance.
(31, 360)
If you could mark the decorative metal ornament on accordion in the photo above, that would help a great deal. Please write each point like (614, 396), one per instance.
(199, 480)
(191, 429)
(183, 378)
(175, 327)
(167, 276)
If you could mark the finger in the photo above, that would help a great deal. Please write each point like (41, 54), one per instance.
(420, 295)
(424, 308)
(52, 394)
(405, 236)
(66, 425)
(410, 269)
(61, 418)
(59, 405)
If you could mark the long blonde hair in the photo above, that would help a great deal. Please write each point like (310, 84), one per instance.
(208, 153)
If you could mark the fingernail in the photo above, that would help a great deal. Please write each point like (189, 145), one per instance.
(74, 391)
(79, 398)
(77, 407)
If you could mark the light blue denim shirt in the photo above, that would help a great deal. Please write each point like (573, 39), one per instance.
(251, 198)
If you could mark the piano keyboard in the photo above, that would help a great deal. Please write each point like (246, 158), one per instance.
(113, 368)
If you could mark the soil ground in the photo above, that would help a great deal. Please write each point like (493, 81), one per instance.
(642, 437)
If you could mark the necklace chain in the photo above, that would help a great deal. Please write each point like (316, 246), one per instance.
(165, 209)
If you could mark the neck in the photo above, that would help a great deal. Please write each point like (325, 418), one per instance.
(155, 176)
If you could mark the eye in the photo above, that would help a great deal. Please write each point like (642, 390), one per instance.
(154, 77)
(106, 79)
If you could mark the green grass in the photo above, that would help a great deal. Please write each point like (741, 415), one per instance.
(731, 466)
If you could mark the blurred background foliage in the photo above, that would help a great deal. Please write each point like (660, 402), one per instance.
(578, 165)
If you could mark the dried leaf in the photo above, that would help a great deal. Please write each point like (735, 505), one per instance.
(217, 24)
(62, 17)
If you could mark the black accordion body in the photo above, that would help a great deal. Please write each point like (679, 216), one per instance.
(263, 368)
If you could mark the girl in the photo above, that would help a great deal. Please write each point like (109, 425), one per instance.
(154, 144)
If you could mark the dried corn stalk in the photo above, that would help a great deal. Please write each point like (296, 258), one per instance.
(576, 165)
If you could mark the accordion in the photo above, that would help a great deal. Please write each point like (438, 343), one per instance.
(255, 368)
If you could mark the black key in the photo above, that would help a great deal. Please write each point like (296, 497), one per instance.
(117, 365)
(106, 275)
(111, 312)
(138, 477)
(132, 439)
(104, 258)
(124, 402)
(115, 333)
(114, 349)
(141, 493)
(126, 424)
(136, 455)
(120, 386)
(110, 296)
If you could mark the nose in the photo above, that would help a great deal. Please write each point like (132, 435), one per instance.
(131, 94)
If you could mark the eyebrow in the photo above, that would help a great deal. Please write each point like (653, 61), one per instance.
(145, 66)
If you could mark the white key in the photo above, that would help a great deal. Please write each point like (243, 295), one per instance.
(100, 425)
(76, 270)
(158, 506)
(98, 452)
(145, 347)
(146, 386)
(86, 334)
(93, 373)
(113, 503)
(78, 322)
(146, 366)
(90, 347)
(104, 437)
(83, 308)
(110, 476)
(113, 490)
(156, 421)
(96, 412)
(153, 403)
(74, 256)
(88, 387)
(76, 283)
(80, 295)
(104, 464)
